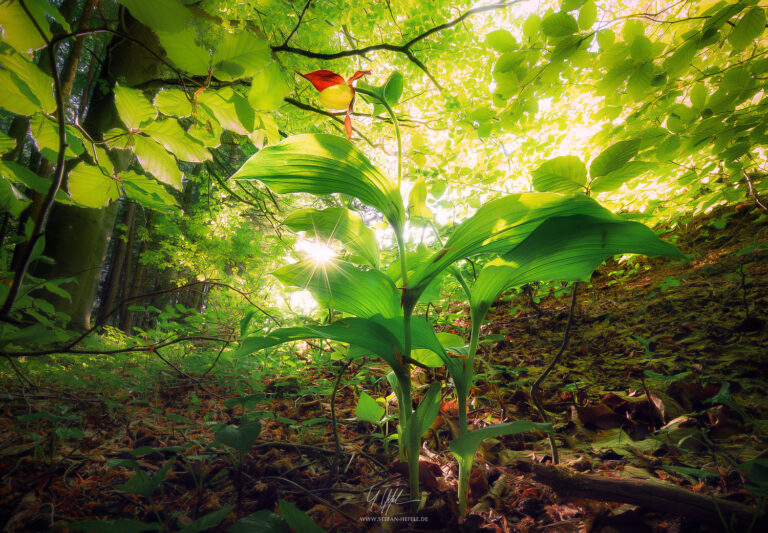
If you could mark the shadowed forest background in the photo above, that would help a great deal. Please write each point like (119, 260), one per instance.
(384, 266)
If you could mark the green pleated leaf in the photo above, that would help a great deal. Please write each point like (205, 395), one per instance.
(613, 158)
(155, 160)
(6, 143)
(147, 192)
(19, 31)
(424, 416)
(90, 187)
(749, 28)
(185, 52)
(241, 437)
(174, 139)
(340, 224)
(563, 248)
(417, 201)
(133, 107)
(173, 102)
(423, 337)
(11, 199)
(160, 15)
(15, 96)
(45, 132)
(363, 332)
(465, 446)
(231, 110)
(368, 410)
(497, 227)
(680, 59)
(268, 88)
(559, 24)
(298, 519)
(435, 356)
(239, 55)
(613, 180)
(208, 521)
(565, 174)
(342, 286)
(18, 174)
(28, 79)
(501, 41)
(324, 164)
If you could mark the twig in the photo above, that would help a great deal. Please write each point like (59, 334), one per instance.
(309, 493)
(337, 456)
(535, 387)
(301, 16)
(22, 377)
(401, 49)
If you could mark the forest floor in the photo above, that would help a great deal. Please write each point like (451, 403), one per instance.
(663, 379)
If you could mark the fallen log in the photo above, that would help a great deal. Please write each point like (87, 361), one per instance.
(659, 497)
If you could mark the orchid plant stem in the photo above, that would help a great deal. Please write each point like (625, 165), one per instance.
(406, 410)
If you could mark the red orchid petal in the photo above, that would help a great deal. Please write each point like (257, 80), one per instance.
(348, 125)
(322, 79)
(358, 74)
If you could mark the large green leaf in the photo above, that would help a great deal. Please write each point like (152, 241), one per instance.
(417, 201)
(497, 227)
(241, 437)
(160, 15)
(133, 107)
(563, 249)
(173, 102)
(368, 410)
(423, 337)
(465, 446)
(559, 24)
(147, 192)
(565, 174)
(615, 179)
(89, 186)
(749, 28)
(342, 286)
(11, 199)
(155, 160)
(27, 77)
(15, 96)
(366, 333)
(425, 414)
(268, 88)
(174, 139)
(239, 55)
(298, 519)
(16, 173)
(20, 31)
(227, 109)
(613, 158)
(341, 224)
(45, 132)
(185, 52)
(325, 164)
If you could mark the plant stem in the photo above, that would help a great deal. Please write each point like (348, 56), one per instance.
(395, 123)
(535, 387)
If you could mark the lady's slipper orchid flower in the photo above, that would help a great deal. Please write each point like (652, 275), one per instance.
(335, 92)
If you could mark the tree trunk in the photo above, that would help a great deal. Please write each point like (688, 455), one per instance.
(127, 317)
(78, 238)
(118, 260)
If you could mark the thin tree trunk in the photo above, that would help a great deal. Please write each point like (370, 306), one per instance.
(118, 260)
(127, 317)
